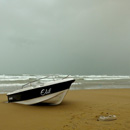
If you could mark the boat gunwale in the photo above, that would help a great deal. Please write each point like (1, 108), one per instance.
(44, 85)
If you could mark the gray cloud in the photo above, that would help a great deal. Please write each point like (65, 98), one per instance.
(72, 36)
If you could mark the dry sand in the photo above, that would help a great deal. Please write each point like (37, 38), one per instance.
(79, 111)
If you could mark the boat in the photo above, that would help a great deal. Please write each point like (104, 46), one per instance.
(34, 92)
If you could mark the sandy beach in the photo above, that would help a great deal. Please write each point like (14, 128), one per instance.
(79, 111)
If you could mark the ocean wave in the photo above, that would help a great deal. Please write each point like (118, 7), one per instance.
(12, 82)
(55, 77)
(105, 77)
(11, 85)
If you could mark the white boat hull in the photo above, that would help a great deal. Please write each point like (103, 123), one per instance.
(53, 99)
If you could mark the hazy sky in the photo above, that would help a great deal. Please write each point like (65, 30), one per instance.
(65, 37)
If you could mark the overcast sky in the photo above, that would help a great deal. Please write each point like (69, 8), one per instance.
(65, 37)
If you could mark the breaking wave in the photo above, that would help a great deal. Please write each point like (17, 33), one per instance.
(12, 82)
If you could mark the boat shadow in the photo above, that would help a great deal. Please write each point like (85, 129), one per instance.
(65, 103)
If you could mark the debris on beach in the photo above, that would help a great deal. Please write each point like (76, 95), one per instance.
(107, 118)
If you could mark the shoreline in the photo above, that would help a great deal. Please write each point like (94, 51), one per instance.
(79, 110)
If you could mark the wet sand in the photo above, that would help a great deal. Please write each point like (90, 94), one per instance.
(79, 111)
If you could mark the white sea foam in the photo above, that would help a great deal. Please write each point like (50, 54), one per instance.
(105, 77)
(55, 77)
(14, 78)
(10, 85)
(76, 83)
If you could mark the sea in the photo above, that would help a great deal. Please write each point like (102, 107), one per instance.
(9, 83)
